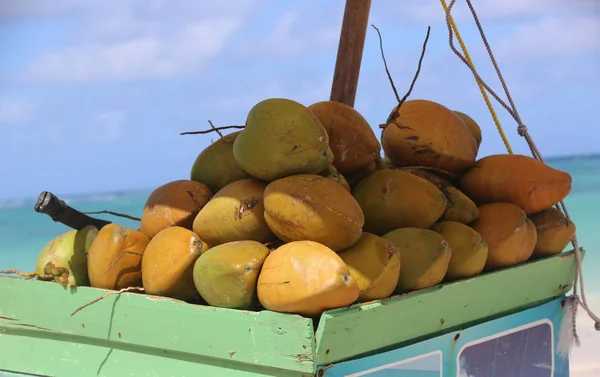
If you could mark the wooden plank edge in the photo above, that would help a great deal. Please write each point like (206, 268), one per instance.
(94, 323)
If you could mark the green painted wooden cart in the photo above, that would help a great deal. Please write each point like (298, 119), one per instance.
(142, 335)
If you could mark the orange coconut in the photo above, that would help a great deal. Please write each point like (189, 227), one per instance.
(168, 263)
(426, 133)
(521, 180)
(173, 204)
(507, 232)
(306, 278)
(115, 257)
(351, 139)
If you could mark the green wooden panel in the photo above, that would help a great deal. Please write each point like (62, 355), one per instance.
(361, 329)
(67, 356)
(149, 323)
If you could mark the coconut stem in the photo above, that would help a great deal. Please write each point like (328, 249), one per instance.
(385, 63)
(128, 289)
(412, 84)
(119, 257)
(213, 129)
(114, 214)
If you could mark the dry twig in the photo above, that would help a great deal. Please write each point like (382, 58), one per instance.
(114, 214)
(128, 289)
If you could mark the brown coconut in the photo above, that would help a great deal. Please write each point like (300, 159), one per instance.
(472, 125)
(426, 133)
(469, 251)
(115, 258)
(312, 207)
(521, 180)
(392, 199)
(460, 207)
(216, 167)
(306, 278)
(374, 262)
(173, 204)
(351, 139)
(507, 232)
(168, 263)
(425, 257)
(554, 232)
(234, 213)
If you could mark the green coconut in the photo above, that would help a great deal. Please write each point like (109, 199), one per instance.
(64, 258)
(282, 137)
(234, 213)
(226, 275)
(424, 255)
(215, 166)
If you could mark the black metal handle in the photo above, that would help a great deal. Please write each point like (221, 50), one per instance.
(59, 211)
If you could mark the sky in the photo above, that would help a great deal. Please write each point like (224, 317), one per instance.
(94, 94)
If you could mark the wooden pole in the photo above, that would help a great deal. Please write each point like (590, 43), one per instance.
(350, 50)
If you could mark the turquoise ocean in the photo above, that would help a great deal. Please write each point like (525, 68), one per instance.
(23, 232)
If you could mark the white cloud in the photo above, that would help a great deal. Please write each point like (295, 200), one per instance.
(137, 39)
(16, 111)
(432, 12)
(553, 36)
(108, 125)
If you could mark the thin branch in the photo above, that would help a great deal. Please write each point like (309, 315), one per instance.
(119, 257)
(215, 129)
(114, 214)
(128, 289)
(385, 63)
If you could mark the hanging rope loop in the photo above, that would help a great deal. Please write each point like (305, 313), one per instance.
(578, 282)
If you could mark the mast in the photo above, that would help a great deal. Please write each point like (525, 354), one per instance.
(350, 51)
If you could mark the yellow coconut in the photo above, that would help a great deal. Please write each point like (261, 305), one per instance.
(469, 251)
(554, 232)
(425, 257)
(315, 208)
(374, 262)
(173, 204)
(460, 207)
(351, 139)
(216, 167)
(306, 278)
(392, 199)
(235, 213)
(332, 173)
(507, 232)
(521, 180)
(226, 275)
(425, 133)
(472, 125)
(168, 263)
(282, 137)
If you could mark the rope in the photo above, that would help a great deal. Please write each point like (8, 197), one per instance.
(469, 62)
(522, 130)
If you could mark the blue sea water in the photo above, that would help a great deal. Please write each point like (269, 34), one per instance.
(23, 232)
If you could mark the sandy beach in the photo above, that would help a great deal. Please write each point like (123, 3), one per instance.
(585, 360)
